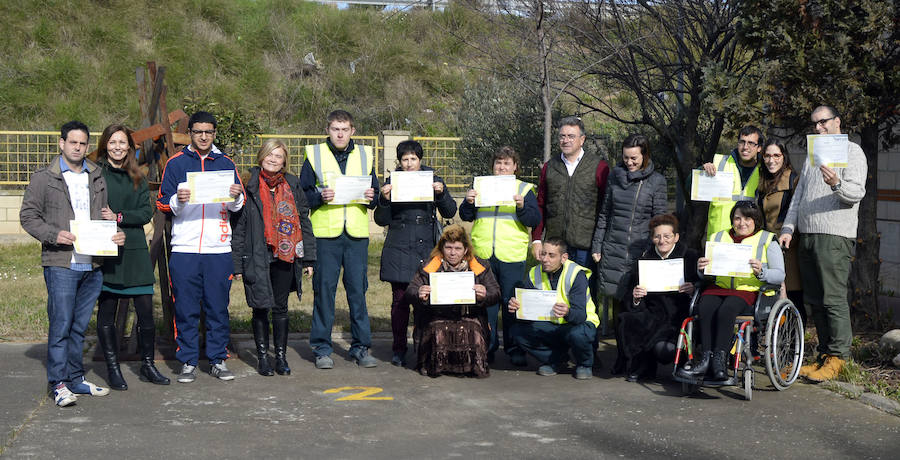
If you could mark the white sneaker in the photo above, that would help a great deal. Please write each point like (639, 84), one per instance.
(62, 396)
(221, 372)
(188, 373)
(87, 388)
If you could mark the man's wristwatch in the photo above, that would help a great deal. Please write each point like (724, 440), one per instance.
(836, 187)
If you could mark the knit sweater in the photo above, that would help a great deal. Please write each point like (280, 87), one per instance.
(815, 208)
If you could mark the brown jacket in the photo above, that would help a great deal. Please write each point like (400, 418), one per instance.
(47, 210)
(774, 205)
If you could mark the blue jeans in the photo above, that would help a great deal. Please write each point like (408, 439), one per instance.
(508, 274)
(332, 254)
(71, 296)
(549, 342)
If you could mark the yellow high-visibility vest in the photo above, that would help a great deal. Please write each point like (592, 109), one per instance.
(569, 270)
(720, 211)
(498, 232)
(760, 241)
(328, 220)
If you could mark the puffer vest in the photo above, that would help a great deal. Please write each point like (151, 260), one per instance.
(572, 202)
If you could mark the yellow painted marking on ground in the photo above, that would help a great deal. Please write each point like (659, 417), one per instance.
(365, 394)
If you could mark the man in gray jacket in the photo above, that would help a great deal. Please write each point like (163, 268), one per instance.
(69, 188)
(824, 210)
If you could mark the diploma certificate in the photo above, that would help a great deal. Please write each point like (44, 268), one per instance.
(729, 259)
(830, 150)
(711, 188)
(210, 186)
(94, 237)
(536, 305)
(495, 191)
(661, 275)
(452, 288)
(350, 189)
(411, 186)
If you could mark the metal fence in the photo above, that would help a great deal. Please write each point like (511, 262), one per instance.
(23, 152)
(442, 154)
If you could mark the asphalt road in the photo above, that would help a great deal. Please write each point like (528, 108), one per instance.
(399, 414)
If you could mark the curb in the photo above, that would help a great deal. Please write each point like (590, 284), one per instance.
(859, 393)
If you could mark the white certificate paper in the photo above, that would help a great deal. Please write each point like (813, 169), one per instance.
(711, 188)
(411, 186)
(210, 186)
(495, 190)
(452, 288)
(830, 150)
(350, 189)
(536, 305)
(661, 275)
(729, 259)
(94, 237)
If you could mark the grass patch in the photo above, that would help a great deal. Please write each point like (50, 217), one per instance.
(23, 309)
(869, 367)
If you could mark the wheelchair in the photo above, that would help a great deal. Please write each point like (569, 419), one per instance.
(774, 333)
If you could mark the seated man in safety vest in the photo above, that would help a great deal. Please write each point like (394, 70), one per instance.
(575, 323)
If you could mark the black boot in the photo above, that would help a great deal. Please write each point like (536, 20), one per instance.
(261, 338)
(110, 346)
(147, 345)
(696, 369)
(280, 335)
(718, 373)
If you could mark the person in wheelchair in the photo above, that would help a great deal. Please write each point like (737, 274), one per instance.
(721, 304)
(647, 330)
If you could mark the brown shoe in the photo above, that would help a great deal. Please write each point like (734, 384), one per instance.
(829, 370)
(811, 367)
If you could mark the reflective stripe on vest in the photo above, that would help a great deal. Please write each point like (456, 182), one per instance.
(328, 221)
(760, 241)
(563, 286)
(720, 211)
(499, 224)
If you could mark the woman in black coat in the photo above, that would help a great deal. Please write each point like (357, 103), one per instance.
(647, 330)
(413, 231)
(272, 246)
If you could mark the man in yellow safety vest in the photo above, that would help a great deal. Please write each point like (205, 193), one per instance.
(742, 163)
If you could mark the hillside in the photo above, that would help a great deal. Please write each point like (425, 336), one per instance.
(61, 60)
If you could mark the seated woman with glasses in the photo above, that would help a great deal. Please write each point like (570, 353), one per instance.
(453, 338)
(647, 330)
(730, 297)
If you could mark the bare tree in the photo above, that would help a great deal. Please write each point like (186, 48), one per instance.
(654, 63)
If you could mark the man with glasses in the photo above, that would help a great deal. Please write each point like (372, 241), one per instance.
(824, 211)
(200, 267)
(742, 163)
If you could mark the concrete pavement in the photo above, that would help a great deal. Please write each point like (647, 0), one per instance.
(388, 412)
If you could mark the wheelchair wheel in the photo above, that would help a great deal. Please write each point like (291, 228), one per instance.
(748, 384)
(784, 344)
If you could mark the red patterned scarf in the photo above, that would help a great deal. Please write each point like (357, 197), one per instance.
(280, 218)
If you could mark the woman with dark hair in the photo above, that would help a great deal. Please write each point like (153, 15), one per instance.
(646, 332)
(272, 247)
(777, 183)
(453, 338)
(413, 229)
(130, 274)
(730, 297)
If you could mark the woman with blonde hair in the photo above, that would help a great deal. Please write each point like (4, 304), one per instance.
(453, 338)
(273, 246)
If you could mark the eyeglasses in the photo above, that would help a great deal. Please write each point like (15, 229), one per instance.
(568, 137)
(823, 121)
(750, 143)
(200, 132)
(769, 156)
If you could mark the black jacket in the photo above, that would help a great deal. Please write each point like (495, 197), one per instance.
(249, 250)
(411, 233)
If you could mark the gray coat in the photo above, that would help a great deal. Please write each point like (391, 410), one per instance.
(632, 198)
(47, 209)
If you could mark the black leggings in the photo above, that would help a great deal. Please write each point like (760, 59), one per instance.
(143, 307)
(717, 315)
(282, 275)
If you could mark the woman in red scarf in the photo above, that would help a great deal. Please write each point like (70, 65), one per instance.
(272, 246)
